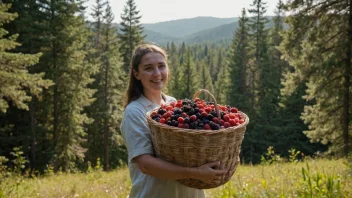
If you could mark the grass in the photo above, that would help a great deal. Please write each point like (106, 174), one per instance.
(313, 178)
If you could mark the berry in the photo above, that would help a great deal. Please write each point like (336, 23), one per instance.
(206, 127)
(193, 118)
(227, 125)
(180, 120)
(162, 120)
(233, 110)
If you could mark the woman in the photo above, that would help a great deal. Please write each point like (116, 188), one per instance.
(151, 176)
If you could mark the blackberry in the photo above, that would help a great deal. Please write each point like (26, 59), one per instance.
(194, 105)
(186, 108)
(196, 110)
(169, 123)
(205, 121)
(186, 101)
(198, 115)
(157, 119)
(155, 116)
(187, 120)
(174, 123)
(192, 126)
(178, 111)
(210, 117)
(213, 112)
(161, 111)
(191, 112)
(200, 125)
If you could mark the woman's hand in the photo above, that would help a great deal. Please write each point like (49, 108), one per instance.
(210, 172)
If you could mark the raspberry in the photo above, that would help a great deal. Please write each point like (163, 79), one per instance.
(226, 118)
(180, 120)
(207, 127)
(215, 120)
(232, 122)
(162, 120)
(227, 125)
(193, 118)
(233, 110)
(204, 114)
(186, 126)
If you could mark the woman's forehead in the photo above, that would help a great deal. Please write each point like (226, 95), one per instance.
(152, 58)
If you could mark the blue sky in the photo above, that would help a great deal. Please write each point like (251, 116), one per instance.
(153, 11)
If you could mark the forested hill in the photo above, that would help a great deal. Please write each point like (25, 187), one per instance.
(184, 27)
(194, 30)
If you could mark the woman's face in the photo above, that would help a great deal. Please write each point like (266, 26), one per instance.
(152, 72)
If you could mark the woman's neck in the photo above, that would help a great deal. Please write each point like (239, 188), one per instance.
(155, 97)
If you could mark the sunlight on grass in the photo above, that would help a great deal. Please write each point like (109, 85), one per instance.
(313, 178)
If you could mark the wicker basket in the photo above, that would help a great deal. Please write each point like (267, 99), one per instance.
(193, 148)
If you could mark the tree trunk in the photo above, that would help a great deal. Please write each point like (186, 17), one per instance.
(346, 98)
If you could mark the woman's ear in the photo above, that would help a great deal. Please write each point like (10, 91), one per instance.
(135, 73)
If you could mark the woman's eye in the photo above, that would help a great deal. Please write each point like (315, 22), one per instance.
(148, 69)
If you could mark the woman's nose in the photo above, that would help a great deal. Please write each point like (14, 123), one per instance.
(156, 72)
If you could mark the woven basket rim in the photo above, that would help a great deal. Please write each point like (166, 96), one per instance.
(196, 131)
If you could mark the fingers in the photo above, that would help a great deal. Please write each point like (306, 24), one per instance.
(214, 164)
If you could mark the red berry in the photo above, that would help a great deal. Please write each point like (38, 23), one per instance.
(184, 115)
(169, 114)
(180, 125)
(241, 121)
(227, 125)
(226, 118)
(162, 120)
(186, 126)
(180, 119)
(233, 110)
(204, 114)
(196, 99)
(232, 116)
(222, 122)
(207, 127)
(232, 122)
(179, 105)
(208, 109)
(216, 120)
(193, 118)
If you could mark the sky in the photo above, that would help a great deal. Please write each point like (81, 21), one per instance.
(154, 11)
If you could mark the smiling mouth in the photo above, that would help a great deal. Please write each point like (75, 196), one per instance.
(157, 81)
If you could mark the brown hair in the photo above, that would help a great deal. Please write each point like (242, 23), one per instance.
(135, 87)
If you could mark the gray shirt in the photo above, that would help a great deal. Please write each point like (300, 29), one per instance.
(136, 134)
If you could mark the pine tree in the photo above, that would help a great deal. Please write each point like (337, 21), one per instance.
(17, 84)
(319, 50)
(67, 64)
(110, 82)
(131, 32)
(238, 92)
(189, 77)
(222, 85)
(205, 81)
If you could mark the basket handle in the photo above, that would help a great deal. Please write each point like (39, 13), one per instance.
(216, 104)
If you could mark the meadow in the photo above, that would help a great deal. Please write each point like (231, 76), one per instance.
(310, 178)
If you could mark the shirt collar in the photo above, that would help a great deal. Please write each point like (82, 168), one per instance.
(145, 102)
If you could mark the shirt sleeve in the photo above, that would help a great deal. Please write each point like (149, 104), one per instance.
(136, 133)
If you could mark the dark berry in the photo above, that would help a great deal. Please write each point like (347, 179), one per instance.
(186, 120)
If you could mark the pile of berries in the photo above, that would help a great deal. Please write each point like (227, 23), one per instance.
(197, 114)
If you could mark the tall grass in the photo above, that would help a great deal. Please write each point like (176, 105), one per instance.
(312, 178)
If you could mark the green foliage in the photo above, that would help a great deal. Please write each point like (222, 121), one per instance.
(319, 50)
(189, 83)
(17, 84)
(131, 32)
(19, 161)
(270, 157)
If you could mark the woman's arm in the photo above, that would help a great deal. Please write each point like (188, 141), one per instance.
(159, 168)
